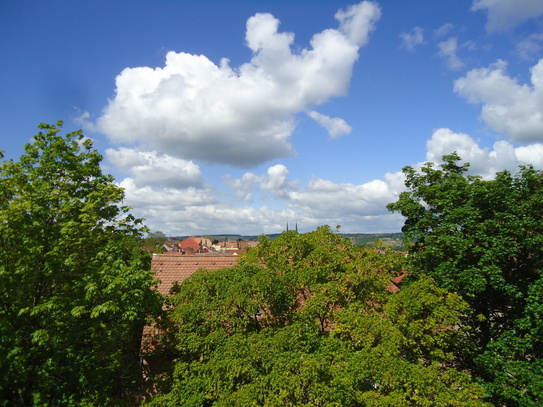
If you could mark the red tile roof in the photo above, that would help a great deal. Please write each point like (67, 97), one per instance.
(193, 243)
(170, 268)
(396, 282)
(174, 267)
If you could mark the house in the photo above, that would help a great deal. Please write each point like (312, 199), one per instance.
(170, 268)
(230, 244)
(396, 283)
(172, 247)
(247, 244)
(236, 246)
(234, 251)
(176, 267)
(193, 245)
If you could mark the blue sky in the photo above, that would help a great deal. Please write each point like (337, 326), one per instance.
(241, 116)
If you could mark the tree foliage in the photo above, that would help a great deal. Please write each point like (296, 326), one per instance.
(307, 320)
(484, 241)
(75, 286)
(155, 239)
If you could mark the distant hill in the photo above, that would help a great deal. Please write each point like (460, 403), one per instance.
(393, 240)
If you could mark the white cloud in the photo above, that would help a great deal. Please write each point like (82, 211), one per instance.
(170, 209)
(274, 181)
(448, 49)
(323, 201)
(355, 207)
(470, 45)
(81, 118)
(532, 154)
(530, 46)
(411, 39)
(483, 161)
(218, 218)
(444, 29)
(506, 14)
(507, 106)
(150, 168)
(264, 203)
(196, 110)
(276, 178)
(322, 198)
(326, 199)
(243, 186)
(358, 21)
(198, 210)
(162, 201)
(335, 126)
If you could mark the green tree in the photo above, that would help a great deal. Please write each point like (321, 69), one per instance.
(307, 320)
(75, 288)
(484, 240)
(155, 239)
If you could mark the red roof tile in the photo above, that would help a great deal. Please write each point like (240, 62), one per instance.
(172, 268)
(193, 243)
(396, 282)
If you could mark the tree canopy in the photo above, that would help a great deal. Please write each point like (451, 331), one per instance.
(484, 241)
(310, 320)
(155, 239)
(75, 285)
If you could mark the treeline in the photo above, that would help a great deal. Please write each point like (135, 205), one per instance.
(395, 241)
(303, 320)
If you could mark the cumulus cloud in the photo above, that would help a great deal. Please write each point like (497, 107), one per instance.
(243, 186)
(326, 199)
(359, 207)
(358, 21)
(506, 14)
(264, 203)
(162, 201)
(335, 126)
(198, 211)
(194, 109)
(275, 181)
(325, 202)
(485, 162)
(276, 177)
(410, 40)
(448, 49)
(507, 106)
(150, 168)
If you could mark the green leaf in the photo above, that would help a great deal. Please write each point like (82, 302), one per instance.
(483, 240)
(75, 287)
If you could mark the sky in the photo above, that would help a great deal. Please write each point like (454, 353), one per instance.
(245, 116)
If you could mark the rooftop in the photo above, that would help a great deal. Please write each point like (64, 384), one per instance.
(175, 267)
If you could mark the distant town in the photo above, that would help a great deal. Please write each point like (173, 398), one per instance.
(237, 244)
